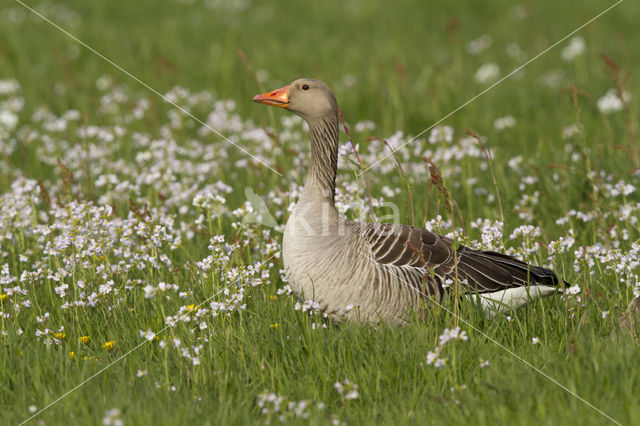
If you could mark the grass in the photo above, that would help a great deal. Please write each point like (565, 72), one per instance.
(402, 67)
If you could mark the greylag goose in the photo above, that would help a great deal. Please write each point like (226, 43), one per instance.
(384, 270)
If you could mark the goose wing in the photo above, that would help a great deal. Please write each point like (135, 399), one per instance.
(425, 253)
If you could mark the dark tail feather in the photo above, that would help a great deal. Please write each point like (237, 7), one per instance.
(504, 270)
(540, 275)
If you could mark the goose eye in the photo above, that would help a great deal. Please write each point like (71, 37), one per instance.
(305, 87)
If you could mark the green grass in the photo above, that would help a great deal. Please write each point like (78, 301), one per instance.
(410, 67)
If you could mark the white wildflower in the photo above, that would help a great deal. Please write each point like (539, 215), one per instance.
(440, 363)
(476, 46)
(149, 334)
(347, 389)
(611, 102)
(571, 130)
(504, 123)
(487, 73)
(432, 356)
(364, 126)
(575, 48)
(113, 417)
(441, 134)
(573, 290)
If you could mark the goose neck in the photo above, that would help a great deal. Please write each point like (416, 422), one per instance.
(323, 165)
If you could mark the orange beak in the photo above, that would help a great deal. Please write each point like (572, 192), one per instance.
(278, 97)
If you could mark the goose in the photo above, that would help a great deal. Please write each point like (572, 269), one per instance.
(386, 271)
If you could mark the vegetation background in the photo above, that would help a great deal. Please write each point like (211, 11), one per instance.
(403, 66)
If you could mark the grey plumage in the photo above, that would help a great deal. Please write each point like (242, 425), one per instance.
(384, 270)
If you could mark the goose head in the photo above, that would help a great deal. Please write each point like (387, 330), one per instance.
(310, 99)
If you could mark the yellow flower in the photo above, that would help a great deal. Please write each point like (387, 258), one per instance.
(192, 308)
(276, 325)
(72, 355)
(110, 345)
(60, 335)
(3, 297)
(85, 340)
(273, 297)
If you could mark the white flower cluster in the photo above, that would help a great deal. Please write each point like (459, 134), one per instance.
(476, 46)
(491, 234)
(575, 48)
(347, 389)
(612, 101)
(441, 134)
(310, 306)
(505, 122)
(449, 334)
(487, 73)
(113, 417)
(283, 409)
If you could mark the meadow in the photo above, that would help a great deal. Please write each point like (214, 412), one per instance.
(141, 277)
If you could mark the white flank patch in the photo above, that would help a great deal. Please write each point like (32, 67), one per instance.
(512, 298)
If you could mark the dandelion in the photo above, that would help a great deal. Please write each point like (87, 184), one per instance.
(109, 345)
(85, 340)
(72, 355)
(3, 297)
(275, 326)
(61, 335)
